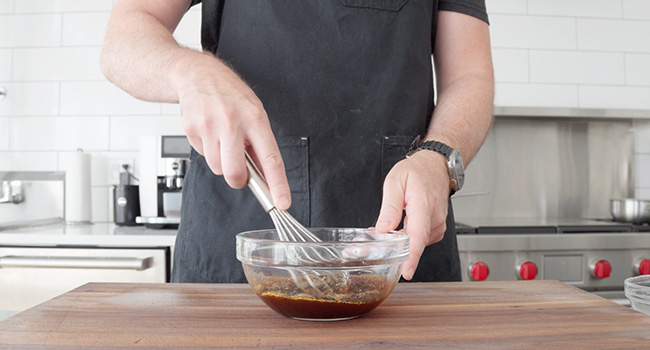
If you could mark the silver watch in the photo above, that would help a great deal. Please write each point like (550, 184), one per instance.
(454, 160)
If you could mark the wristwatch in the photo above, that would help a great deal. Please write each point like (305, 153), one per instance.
(454, 161)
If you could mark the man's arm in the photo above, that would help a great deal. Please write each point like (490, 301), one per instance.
(463, 114)
(465, 81)
(221, 115)
(140, 55)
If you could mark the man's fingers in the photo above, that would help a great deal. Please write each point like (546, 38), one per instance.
(276, 177)
(270, 162)
(392, 205)
(233, 161)
(416, 245)
(196, 143)
(212, 152)
(418, 228)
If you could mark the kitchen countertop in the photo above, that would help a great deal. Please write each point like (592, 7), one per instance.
(87, 235)
(459, 315)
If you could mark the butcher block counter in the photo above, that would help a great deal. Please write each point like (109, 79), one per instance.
(486, 315)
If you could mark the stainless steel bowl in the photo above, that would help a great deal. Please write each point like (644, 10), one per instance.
(631, 210)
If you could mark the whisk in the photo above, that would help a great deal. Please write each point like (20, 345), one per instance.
(289, 229)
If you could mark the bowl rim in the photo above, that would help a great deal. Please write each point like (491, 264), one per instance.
(392, 239)
(399, 237)
(634, 281)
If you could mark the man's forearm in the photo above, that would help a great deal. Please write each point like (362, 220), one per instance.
(463, 114)
(465, 81)
(140, 55)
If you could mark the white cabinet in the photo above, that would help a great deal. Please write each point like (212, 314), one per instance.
(32, 275)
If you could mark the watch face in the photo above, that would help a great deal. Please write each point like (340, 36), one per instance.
(457, 170)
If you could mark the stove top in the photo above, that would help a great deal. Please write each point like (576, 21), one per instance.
(543, 226)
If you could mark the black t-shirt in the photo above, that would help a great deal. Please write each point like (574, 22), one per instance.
(213, 9)
(475, 8)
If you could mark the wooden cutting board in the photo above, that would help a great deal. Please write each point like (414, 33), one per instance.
(486, 315)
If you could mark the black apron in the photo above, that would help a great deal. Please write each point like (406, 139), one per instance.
(347, 85)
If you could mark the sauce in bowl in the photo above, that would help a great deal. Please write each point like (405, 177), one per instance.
(359, 295)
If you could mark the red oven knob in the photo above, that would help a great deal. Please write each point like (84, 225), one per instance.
(643, 267)
(602, 269)
(479, 271)
(528, 270)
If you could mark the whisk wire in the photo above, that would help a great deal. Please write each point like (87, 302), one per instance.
(289, 229)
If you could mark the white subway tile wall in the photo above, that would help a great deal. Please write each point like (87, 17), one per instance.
(547, 53)
(573, 67)
(637, 69)
(84, 29)
(5, 64)
(519, 7)
(614, 35)
(47, 6)
(100, 206)
(4, 134)
(171, 108)
(6, 6)
(59, 134)
(28, 161)
(101, 98)
(35, 98)
(511, 65)
(636, 9)
(576, 8)
(187, 29)
(56, 64)
(30, 30)
(533, 95)
(533, 32)
(126, 131)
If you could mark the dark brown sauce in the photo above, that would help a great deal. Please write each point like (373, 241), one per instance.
(359, 296)
(309, 308)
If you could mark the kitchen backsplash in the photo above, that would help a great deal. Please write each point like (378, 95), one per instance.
(547, 53)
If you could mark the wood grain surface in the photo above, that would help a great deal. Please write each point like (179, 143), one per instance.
(486, 315)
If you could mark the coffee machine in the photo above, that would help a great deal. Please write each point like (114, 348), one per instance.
(164, 160)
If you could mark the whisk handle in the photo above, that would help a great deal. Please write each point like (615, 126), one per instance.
(258, 185)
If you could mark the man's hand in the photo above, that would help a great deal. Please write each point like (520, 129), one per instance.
(420, 186)
(221, 117)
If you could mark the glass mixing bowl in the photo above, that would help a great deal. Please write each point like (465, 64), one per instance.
(637, 290)
(346, 275)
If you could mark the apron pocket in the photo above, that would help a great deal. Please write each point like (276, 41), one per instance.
(390, 5)
(295, 154)
(393, 149)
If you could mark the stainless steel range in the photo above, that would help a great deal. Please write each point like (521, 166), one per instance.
(539, 173)
(594, 255)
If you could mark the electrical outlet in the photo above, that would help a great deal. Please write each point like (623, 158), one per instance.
(115, 167)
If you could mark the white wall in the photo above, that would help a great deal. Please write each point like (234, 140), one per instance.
(576, 53)
(551, 53)
(58, 100)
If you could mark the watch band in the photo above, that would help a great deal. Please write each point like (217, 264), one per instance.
(430, 145)
(454, 166)
(437, 147)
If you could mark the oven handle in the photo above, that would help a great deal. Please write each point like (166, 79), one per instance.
(74, 262)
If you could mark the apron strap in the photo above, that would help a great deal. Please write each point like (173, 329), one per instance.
(211, 15)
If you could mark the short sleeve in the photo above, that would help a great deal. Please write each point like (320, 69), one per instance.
(474, 8)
